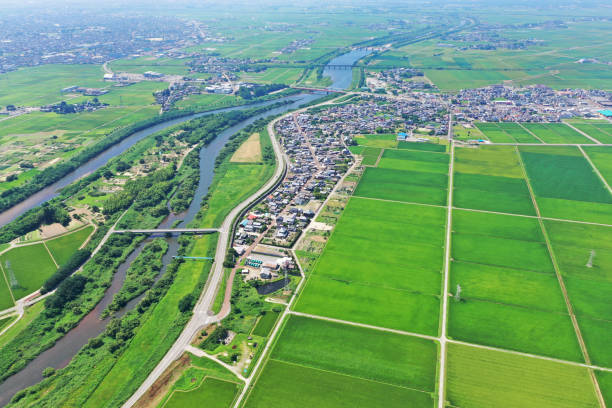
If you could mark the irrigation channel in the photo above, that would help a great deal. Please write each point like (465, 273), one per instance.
(92, 325)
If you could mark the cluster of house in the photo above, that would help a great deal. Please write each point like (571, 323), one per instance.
(82, 37)
(85, 91)
(535, 103)
(398, 80)
(296, 45)
(317, 162)
(65, 108)
(372, 114)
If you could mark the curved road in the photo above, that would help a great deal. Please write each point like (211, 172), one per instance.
(200, 317)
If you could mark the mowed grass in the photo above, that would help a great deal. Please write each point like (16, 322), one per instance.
(212, 393)
(414, 161)
(556, 133)
(382, 266)
(486, 378)
(27, 268)
(504, 269)
(401, 185)
(294, 386)
(370, 354)
(63, 247)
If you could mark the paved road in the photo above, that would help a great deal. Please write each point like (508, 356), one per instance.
(201, 317)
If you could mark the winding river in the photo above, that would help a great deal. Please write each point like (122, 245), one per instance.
(92, 325)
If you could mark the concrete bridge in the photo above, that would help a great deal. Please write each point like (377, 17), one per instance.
(328, 90)
(169, 231)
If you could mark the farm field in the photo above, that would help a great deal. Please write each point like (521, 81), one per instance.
(347, 281)
(414, 161)
(342, 366)
(400, 185)
(63, 247)
(490, 178)
(504, 311)
(602, 159)
(565, 184)
(482, 378)
(26, 268)
(599, 131)
(584, 254)
(383, 140)
(370, 155)
(556, 133)
(506, 132)
(421, 146)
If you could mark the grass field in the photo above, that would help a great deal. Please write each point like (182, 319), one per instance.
(249, 151)
(154, 336)
(265, 324)
(212, 392)
(486, 378)
(26, 268)
(362, 276)
(63, 247)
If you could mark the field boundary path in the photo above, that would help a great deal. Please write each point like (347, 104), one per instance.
(583, 133)
(601, 177)
(570, 309)
(530, 132)
(444, 307)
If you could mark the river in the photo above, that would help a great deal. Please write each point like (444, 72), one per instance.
(92, 325)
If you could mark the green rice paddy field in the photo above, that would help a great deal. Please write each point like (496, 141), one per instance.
(487, 378)
(334, 365)
(400, 286)
(25, 268)
(383, 265)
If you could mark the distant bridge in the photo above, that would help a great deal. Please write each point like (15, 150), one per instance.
(169, 231)
(305, 88)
